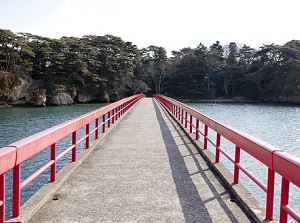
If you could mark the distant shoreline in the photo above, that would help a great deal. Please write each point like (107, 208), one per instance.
(219, 100)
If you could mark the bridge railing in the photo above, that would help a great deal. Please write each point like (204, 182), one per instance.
(276, 160)
(13, 155)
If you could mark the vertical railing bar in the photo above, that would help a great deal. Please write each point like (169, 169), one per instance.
(236, 162)
(205, 136)
(197, 129)
(117, 113)
(2, 198)
(74, 142)
(103, 123)
(182, 111)
(186, 119)
(53, 166)
(218, 143)
(285, 187)
(87, 132)
(16, 191)
(191, 123)
(270, 194)
(97, 128)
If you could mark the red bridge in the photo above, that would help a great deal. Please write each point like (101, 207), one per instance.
(147, 160)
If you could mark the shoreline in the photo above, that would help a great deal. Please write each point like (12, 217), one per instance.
(220, 101)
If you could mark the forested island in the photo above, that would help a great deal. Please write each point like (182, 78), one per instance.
(36, 70)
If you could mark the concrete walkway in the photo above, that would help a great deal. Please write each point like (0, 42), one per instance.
(145, 170)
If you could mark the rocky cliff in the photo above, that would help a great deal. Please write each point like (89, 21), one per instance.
(33, 93)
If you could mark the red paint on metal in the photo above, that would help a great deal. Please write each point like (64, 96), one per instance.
(277, 161)
(2, 198)
(270, 193)
(197, 129)
(103, 123)
(191, 124)
(16, 190)
(74, 143)
(87, 132)
(205, 136)
(218, 143)
(97, 128)
(14, 154)
(236, 162)
(285, 188)
(53, 166)
(8, 157)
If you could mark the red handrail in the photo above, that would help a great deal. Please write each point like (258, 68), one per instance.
(288, 166)
(12, 156)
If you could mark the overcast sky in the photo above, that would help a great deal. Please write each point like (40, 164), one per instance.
(173, 24)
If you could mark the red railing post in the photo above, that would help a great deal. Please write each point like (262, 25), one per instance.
(16, 191)
(285, 187)
(186, 118)
(236, 162)
(53, 166)
(97, 128)
(2, 198)
(182, 116)
(270, 194)
(74, 142)
(205, 136)
(117, 114)
(191, 123)
(197, 129)
(103, 123)
(218, 143)
(87, 132)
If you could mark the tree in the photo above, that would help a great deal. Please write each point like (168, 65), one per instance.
(15, 62)
(155, 64)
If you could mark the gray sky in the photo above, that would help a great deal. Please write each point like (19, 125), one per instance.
(172, 24)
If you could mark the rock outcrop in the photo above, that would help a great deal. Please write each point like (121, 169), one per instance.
(61, 98)
(34, 93)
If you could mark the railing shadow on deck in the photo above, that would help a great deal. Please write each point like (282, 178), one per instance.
(193, 206)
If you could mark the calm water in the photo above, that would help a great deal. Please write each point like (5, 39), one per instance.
(278, 125)
(18, 123)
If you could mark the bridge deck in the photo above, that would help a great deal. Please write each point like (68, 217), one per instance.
(145, 170)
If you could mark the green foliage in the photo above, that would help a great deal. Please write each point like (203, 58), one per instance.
(107, 64)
